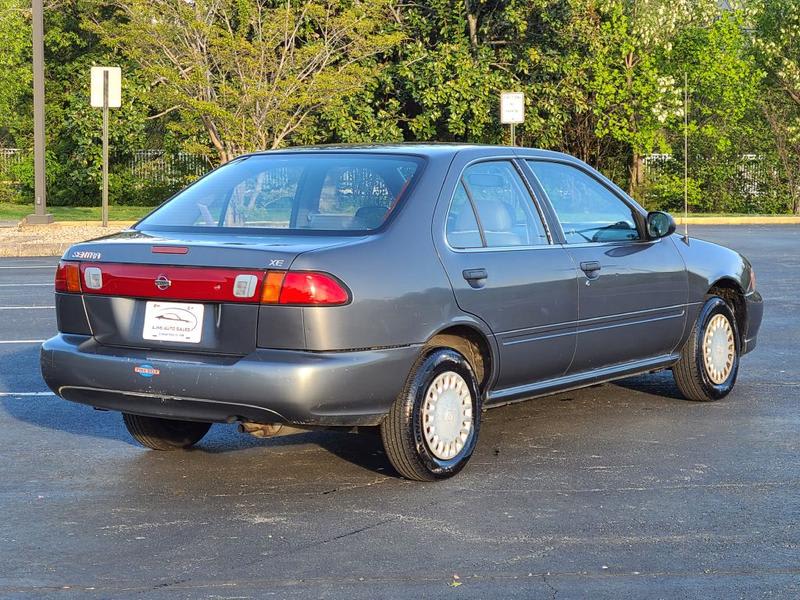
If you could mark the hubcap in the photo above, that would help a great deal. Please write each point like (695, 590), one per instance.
(719, 349)
(447, 415)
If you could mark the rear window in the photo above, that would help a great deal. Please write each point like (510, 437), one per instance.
(292, 192)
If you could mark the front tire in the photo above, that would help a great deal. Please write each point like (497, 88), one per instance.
(164, 434)
(709, 362)
(432, 427)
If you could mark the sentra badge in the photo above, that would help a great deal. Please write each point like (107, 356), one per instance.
(86, 255)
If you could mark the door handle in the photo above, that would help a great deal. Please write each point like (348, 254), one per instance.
(591, 268)
(475, 277)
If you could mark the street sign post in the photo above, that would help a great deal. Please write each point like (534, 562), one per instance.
(106, 93)
(512, 111)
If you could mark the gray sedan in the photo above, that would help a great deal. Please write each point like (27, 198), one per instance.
(408, 287)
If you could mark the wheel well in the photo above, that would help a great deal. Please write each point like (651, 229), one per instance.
(472, 344)
(729, 290)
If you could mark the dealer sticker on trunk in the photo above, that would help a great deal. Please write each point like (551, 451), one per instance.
(173, 322)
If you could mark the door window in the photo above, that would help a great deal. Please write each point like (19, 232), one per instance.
(588, 210)
(506, 216)
(462, 226)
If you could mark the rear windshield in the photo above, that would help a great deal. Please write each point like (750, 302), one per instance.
(292, 192)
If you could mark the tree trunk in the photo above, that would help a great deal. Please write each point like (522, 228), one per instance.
(636, 170)
(472, 23)
(222, 151)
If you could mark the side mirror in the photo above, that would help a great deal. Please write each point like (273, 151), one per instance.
(659, 225)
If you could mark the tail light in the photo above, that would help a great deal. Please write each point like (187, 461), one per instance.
(304, 288)
(68, 277)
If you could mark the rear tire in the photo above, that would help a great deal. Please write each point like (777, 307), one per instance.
(164, 434)
(432, 427)
(709, 361)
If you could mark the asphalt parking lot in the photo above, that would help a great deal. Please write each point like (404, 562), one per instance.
(621, 490)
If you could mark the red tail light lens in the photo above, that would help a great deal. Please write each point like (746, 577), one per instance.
(303, 288)
(68, 277)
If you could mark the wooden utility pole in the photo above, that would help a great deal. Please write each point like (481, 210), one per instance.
(40, 215)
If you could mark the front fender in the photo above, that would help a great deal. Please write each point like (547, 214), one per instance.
(708, 263)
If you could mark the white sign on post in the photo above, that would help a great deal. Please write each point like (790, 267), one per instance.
(106, 93)
(114, 86)
(512, 108)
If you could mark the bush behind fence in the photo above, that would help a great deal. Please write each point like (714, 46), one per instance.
(147, 177)
(143, 177)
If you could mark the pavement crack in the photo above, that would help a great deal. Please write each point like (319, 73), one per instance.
(549, 586)
(356, 486)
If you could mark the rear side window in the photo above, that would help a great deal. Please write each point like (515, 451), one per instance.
(462, 226)
(303, 192)
(492, 208)
(588, 210)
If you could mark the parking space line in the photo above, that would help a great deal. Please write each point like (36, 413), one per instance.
(26, 394)
(21, 341)
(22, 307)
(31, 267)
(25, 284)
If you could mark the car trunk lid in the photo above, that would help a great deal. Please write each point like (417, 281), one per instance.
(187, 292)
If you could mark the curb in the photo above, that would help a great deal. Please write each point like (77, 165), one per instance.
(111, 224)
(34, 249)
(754, 220)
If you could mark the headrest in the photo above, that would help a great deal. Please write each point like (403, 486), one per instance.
(495, 216)
(485, 180)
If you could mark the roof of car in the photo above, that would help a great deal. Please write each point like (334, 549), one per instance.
(419, 148)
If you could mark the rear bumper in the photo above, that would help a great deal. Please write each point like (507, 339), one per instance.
(267, 386)
(755, 313)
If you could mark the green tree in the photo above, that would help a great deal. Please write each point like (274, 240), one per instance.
(252, 72)
(777, 47)
(72, 126)
(724, 117)
(15, 71)
(633, 99)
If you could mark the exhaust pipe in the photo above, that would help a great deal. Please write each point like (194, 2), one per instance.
(266, 430)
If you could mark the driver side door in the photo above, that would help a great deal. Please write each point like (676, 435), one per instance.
(632, 291)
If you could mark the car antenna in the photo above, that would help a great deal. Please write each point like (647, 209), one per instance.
(685, 157)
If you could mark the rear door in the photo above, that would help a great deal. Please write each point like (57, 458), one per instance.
(504, 269)
(632, 291)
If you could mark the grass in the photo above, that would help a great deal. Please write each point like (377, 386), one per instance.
(15, 212)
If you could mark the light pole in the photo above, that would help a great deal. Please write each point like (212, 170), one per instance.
(40, 215)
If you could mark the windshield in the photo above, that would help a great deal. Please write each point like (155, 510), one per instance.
(293, 192)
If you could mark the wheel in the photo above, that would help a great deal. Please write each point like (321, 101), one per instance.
(709, 361)
(164, 434)
(432, 427)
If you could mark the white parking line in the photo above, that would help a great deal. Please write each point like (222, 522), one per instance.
(25, 284)
(21, 341)
(27, 394)
(22, 307)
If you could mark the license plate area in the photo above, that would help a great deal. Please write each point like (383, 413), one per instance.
(173, 322)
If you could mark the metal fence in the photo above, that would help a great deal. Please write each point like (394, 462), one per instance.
(9, 158)
(152, 166)
(754, 173)
(157, 166)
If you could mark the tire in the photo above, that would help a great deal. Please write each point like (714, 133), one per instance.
(164, 434)
(707, 379)
(443, 378)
